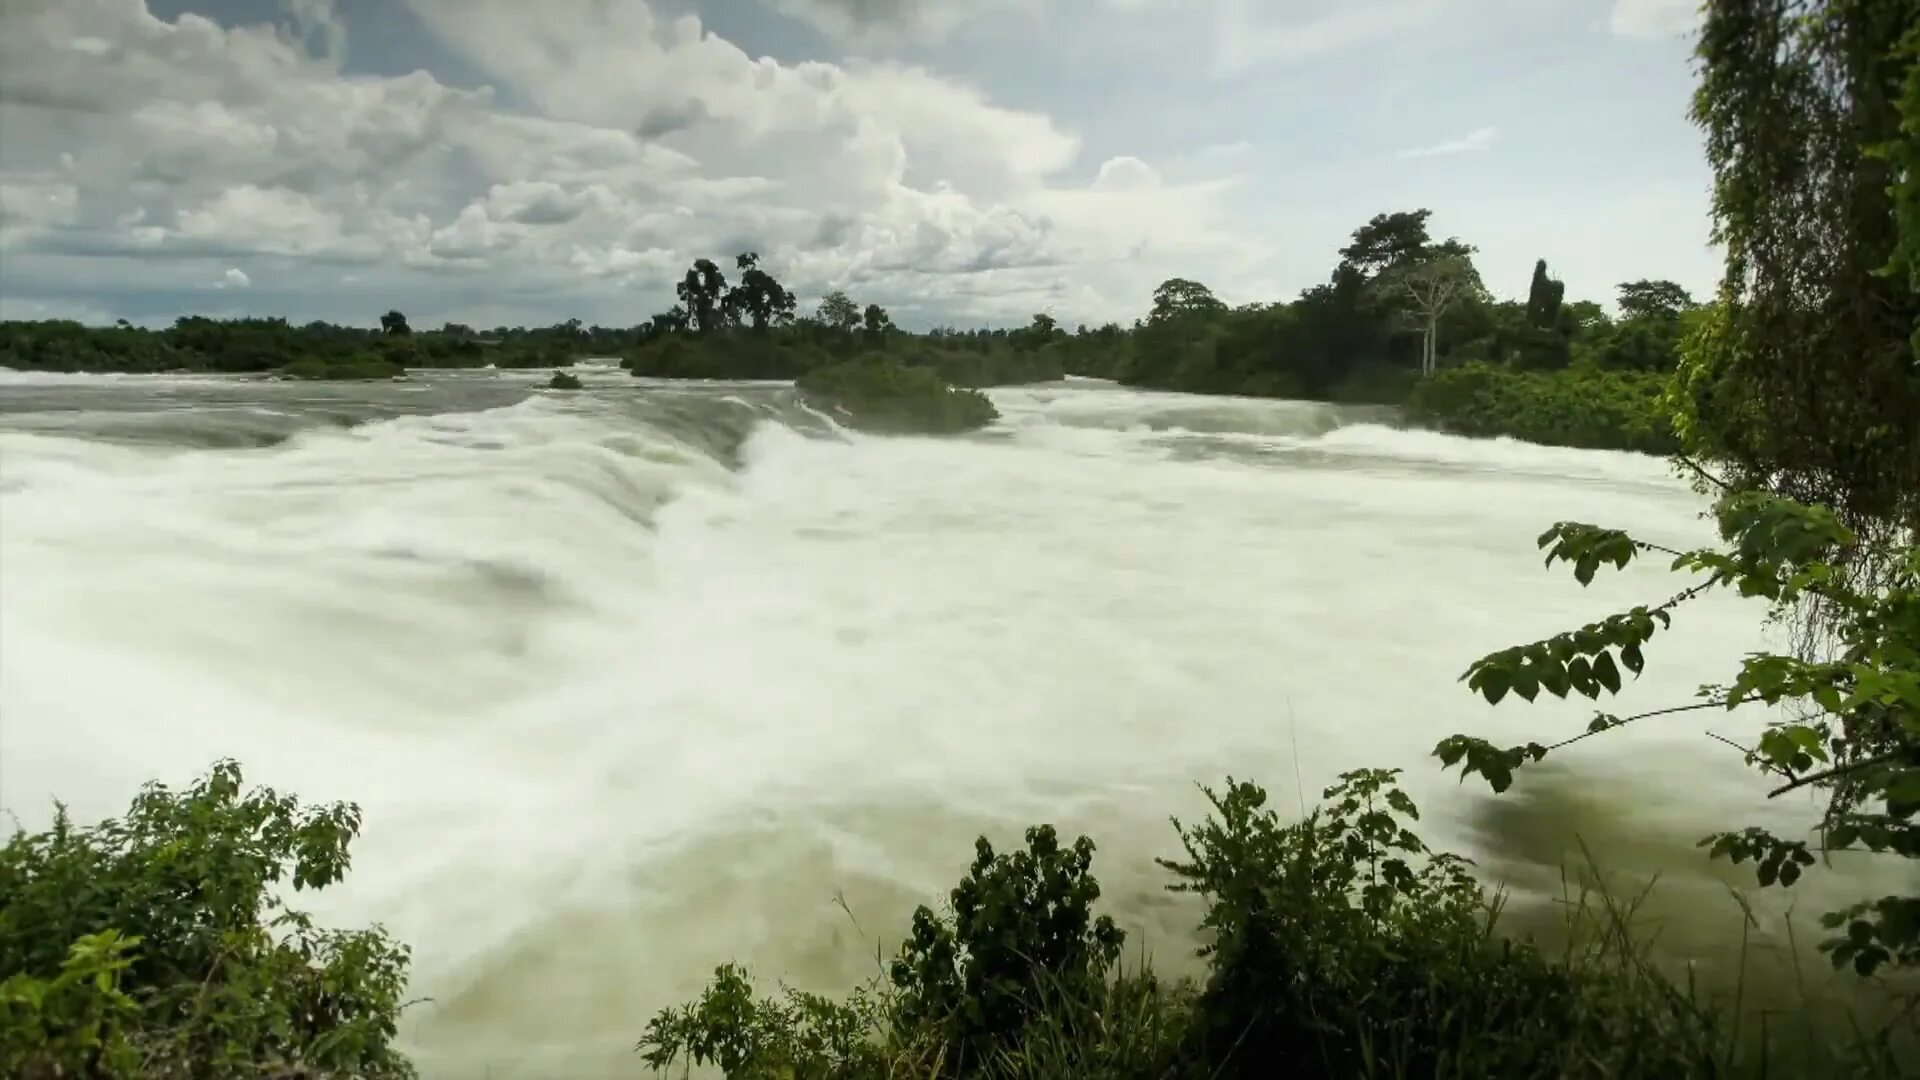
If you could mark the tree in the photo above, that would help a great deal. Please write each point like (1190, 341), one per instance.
(701, 293)
(1798, 100)
(877, 321)
(395, 324)
(1391, 239)
(1179, 297)
(1544, 297)
(839, 312)
(758, 297)
(1653, 299)
(1429, 288)
(1804, 381)
(1386, 240)
(1587, 317)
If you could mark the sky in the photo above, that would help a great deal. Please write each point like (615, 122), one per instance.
(961, 162)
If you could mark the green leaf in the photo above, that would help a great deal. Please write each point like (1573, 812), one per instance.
(1827, 696)
(1526, 684)
(1605, 671)
(1554, 677)
(1494, 683)
(1630, 656)
(1580, 674)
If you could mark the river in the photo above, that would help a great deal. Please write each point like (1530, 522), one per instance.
(638, 680)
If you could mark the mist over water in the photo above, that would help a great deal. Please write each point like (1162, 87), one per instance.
(633, 682)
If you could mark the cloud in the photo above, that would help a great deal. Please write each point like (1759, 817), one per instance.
(234, 278)
(1249, 36)
(1654, 19)
(1474, 142)
(870, 20)
(142, 154)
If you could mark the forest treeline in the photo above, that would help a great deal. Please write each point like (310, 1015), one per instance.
(1402, 319)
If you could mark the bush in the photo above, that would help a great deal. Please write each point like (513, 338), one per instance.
(356, 367)
(1338, 946)
(1580, 407)
(1019, 978)
(879, 394)
(153, 945)
(1341, 946)
(1022, 936)
(564, 380)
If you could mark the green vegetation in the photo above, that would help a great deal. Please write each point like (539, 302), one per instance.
(881, 394)
(156, 944)
(1804, 382)
(1338, 945)
(564, 380)
(1584, 407)
(350, 367)
(315, 351)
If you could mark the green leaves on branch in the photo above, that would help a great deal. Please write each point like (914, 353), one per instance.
(1480, 756)
(1586, 547)
(1875, 933)
(1774, 859)
(159, 943)
(1582, 661)
(1862, 746)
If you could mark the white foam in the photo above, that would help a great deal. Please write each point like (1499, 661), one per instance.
(617, 714)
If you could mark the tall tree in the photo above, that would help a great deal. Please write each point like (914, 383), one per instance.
(1653, 299)
(701, 293)
(839, 312)
(1428, 289)
(758, 298)
(1804, 379)
(878, 322)
(1179, 297)
(1387, 239)
(395, 324)
(1390, 240)
(1544, 297)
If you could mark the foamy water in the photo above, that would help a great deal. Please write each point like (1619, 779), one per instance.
(637, 681)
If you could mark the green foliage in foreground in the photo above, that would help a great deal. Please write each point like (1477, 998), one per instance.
(1583, 407)
(154, 944)
(1338, 946)
(357, 367)
(878, 394)
(1852, 729)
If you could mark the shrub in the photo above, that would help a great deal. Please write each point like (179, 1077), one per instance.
(1022, 934)
(746, 1036)
(1338, 945)
(1341, 946)
(153, 945)
(355, 367)
(878, 394)
(564, 380)
(999, 979)
(1587, 408)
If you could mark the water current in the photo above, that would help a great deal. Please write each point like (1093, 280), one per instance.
(635, 681)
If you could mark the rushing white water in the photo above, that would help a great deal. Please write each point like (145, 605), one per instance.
(634, 682)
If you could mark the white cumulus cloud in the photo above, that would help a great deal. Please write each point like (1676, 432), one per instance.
(142, 151)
